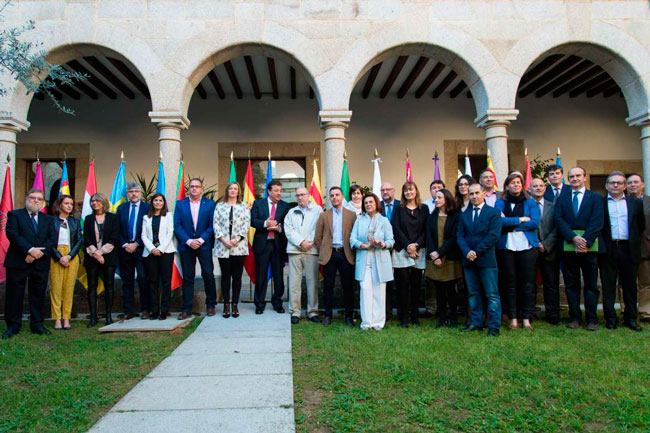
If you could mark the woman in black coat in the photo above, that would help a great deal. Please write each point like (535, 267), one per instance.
(101, 239)
(443, 256)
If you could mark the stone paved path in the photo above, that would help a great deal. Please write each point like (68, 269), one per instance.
(230, 375)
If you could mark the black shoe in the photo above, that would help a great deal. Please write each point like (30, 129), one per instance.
(452, 324)
(610, 325)
(226, 311)
(153, 316)
(349, 321)
(470, 328)
(493, 332)
(92, 323)
(279, 310)
(109, 319)
(162, 316)
(41, 330)
(592, 326)
(9, 332)
(295, 320)
(259, 311)
(441, 323)
(633, 326)
(327, 320)
(235, 311)
(315, 319)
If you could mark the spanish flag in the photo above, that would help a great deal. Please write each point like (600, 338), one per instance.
(249, 198)
(177, 270)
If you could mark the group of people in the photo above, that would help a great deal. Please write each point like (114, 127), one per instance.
(478, 249)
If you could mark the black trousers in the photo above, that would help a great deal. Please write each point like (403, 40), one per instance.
(159, 270)
(408, 281)
(617, 264)
(273, 256)
(129, 263)
(463, 297)
(573, 265)
(338, 262)
(517, 272)
(188, 263)
(232, 268)
(447, 299)
(390, 293)
(93, 271)
(549, 269)
(36, 283)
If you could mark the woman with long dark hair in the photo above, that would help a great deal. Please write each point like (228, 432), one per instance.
(462, 191)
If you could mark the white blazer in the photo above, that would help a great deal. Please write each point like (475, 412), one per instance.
(165, 235)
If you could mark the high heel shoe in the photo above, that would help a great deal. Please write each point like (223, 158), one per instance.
(226, 311)
(235, 311)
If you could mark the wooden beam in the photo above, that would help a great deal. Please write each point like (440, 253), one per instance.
(106, 73)
(131, 76)
(429, 80)
(201, 91)
(549, 75)
(274, 80)
(292, 74)
(564, 78)
(601, 78)
(233, 79)
(609, 84)
(216, 84)
(251, 75)
(401, 60)
(451, 76)
(371, 80)
(413, 75)
(611, 91)
(99, 84)
(590, 73)
(68, 91)
(86, 89)
(458, 89)
(538, 69)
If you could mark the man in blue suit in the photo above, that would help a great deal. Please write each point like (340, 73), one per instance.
(269, 245)
(130, 253)
(580, 209)
(555, 188)
(193, 228)
(478, 232)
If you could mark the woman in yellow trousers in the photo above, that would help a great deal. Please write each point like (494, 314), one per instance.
(65, 261)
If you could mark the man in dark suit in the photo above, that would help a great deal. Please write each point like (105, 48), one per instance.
(31, 238)
(636, 188)
(579, 221)
(193, 228)
(130, 253)
(623, 226)
(548, 261)
(555, 188)
(479, 229)
(388, 205)
(269, 245)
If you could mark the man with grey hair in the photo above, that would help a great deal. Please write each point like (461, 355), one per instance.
(300, 228)
(31, 238)
(130, 255)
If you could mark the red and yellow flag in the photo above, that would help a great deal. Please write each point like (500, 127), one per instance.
(249, 198)
(177, 270)
(491, 168)
(315, 195)
(528, 179)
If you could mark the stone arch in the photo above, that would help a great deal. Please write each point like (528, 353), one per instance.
(618, 53)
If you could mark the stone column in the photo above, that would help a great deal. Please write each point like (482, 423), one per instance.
(643, 122)
(334, 124)
(9, 128)
(170, 125)
(495, 123)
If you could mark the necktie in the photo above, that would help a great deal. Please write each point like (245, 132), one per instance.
(541, 208)
(272, 234)
(557, 191)
(389, 210)
(132, 221)
(576, 203)
(34, 222)
(475, 219)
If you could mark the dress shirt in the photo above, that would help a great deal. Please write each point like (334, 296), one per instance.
(480, 208)
(135, 220)
(337, 227)
(389, 207)
(431, 204)
(580, 196)
(490, 199)
(194, 210)
(540, 205)
(269, 202)
(618, 217)
(557, 190)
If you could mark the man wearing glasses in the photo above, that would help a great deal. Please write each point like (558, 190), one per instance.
(31, 237)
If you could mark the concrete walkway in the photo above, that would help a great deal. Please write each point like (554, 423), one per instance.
(230, 375)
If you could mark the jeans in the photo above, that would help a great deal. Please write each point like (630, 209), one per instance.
(487, 278)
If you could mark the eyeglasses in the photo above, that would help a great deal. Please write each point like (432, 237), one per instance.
(300, 195)
(31, 198)
(615, 182)
(387, 189)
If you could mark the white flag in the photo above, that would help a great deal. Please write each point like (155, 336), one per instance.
(468, 167)
(376, 178)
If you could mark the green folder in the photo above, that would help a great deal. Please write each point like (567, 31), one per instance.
(569, 247)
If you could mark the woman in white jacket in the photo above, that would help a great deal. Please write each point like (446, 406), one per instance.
(232, 219)
(158, 254)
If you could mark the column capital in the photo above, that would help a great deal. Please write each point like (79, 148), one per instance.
(330, 118)
(496, 117)
(169, 119)
(642, 119)
(9, 122)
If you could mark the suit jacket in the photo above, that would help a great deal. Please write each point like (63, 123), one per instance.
(449, 249)
(480, 237)
(547, 231)
(589, 218)
(22, 237)
(111, 236)
(76, 239)
(635, 226)
(531, 210)
(123, 214)
(165, 235)
(324, 235)
(259, 214)
(184, 226)
(645, 238)
(382, 260)
(383, 207)
(550, 196)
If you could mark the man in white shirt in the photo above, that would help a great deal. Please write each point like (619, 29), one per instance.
(434, 187)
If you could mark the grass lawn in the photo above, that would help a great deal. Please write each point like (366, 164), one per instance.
(431, 380)
(67, 381)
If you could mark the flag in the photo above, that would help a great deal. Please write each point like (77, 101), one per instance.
(491, 168)
(468, 166)
(315, 195)
(528, 178)
(91, 188)
(249, 198)
(6, 205)
(558, 161)
(232, 177)
(64, 188)
(118, 194)
(177, 270)
(409, 169)
(376, 177)
(39, 183)
(160, 183)
(345, 180)
(436, 169)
